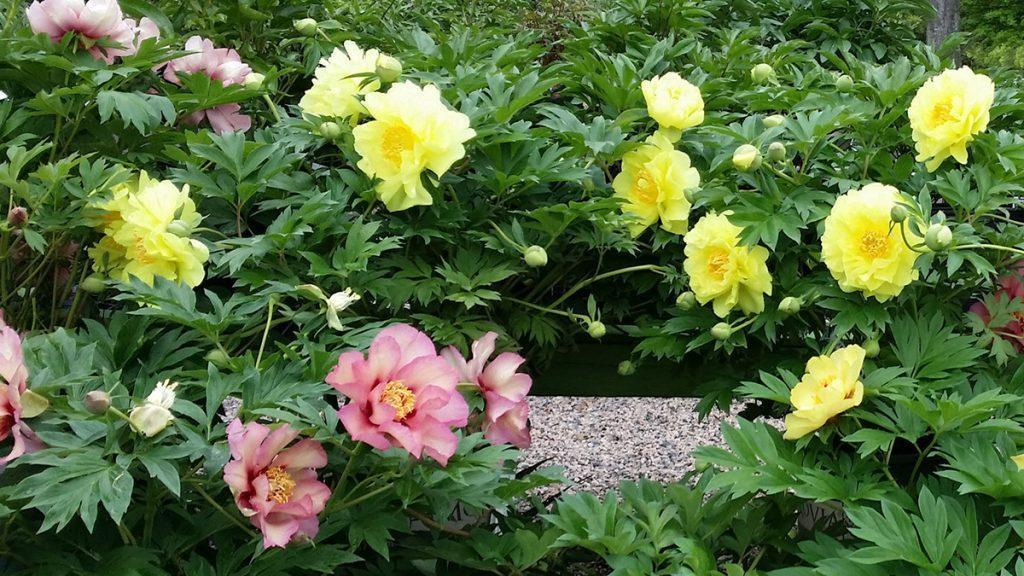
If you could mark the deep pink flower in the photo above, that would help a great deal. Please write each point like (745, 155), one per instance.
(93, 20)
(276, 487)
(401, 394)
(1011, 287)
(220, 64)
(13, 381)
(506, 411)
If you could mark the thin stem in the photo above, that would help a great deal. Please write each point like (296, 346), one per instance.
(505, 236)
(569, 315)
(365, 497)
(273, 107)
(990, 247)
(431, 523)
(216, 506)
(924, 453)
(266, 331)
(583, 284)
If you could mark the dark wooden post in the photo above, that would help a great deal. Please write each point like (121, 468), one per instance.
(945, 22)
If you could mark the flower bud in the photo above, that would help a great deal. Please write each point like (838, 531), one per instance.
(180, 228)
(776, 151)
(588, 183)
(254, 81)
(388, 68)
(626, 368)
(596, 329)
(871, 348)
(721, 331)
(306, 27)
(218, 358)
(686, 301)
(97, 402)
(690, 194)
(746, 158)
(774, 121)
(898, 213)
(844, 83)
(93, 284)
(330, 130)
(762, 73)
(535, 256)
(340, 301)
(17, 216)
(938, 237)
(150, 419)
(790, 305)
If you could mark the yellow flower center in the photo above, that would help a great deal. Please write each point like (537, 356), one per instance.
(874, 244)
(645, 188)
(942, 112)
(718, 263)
(281, 484)
(399, 397)
(142, 255)
(397, 138)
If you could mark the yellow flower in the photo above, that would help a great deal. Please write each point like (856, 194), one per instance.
(722, 270)
(947, 112)
(653, 184)
(673, 102)
(830, 386)
(859, 248)
(340, 80)
(1018, 460)
(412, 131)
(143, 227)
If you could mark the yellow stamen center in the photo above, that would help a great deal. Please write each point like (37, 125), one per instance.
(397, 138)
(874, 244)
(281, 484)
(718, 263)
(645, 188)
(141, 254)
(399, 397)
(942, 112)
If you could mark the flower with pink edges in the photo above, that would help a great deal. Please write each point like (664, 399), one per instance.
(401, 394)
(1011, 287)
(506, 412)
(94, 21)
(222, 65)
(13, 382)
(274, 486)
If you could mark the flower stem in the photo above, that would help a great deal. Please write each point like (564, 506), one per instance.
(216, 506)
(266, 331)
(569, 315)
(584, 283)
(990, 247)
(431, 523)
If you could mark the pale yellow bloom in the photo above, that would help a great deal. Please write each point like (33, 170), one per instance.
(340, 81)
(723, 271)
(859, 248)
(154, 414)
(653, 184)
(412, 131)
(946, 113)
(830, 386)
(1018, 460)
(673, 102)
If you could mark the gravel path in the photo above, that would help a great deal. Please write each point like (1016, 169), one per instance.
(603, 441)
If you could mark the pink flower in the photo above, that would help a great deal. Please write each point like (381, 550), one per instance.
(13, 381)
(506, 411)
(1011, 288)
(402, 394)
(93, 20)
(276, 487)
(220, 64)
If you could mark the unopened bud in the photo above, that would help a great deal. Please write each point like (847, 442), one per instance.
(388, 68)
(596, 329)
(690, 194)
(844, 83)
(762, 73)
(626, 368)
(330, 130)
(686, 301)
(776, 151)
(938, 237)
(871, 348)
(774, 121)
(254, 81)
(180, 228)
(535, 256)
(746, 158)
(721, 331)
(790, 305)
(97, 402)
(898, 213)
(93, 284)
(17, 216)
(306, 27)
(218, 358)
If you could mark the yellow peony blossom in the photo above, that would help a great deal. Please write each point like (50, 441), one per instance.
(723, 271)
(861, 250)
(339, 82)
(830, 386)
(674, 103)
(143, 230)
(653, 185)
(412, 131)
(946, 113)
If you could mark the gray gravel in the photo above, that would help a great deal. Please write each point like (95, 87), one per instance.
(603, 441)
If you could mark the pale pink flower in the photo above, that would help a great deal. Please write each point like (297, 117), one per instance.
(506, 411)
(94, 21)
(13, 381)
(276, 487)
(401, 394)
(220, 64)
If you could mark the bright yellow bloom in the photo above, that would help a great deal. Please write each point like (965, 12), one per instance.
(412, 131)
(673, 102)
(830, 386)
(861, 251)
(145, 225)
(653, 185)
(340, 80)
(722, 270)
(947, 112)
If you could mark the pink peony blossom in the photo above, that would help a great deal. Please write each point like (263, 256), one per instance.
(276, 487)
(506, 411)
(401, 394)
(1011, 287)
(13, 381)
(220, 64)
(94, 21)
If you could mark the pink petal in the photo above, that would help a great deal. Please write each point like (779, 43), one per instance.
(413, 343)
(483, 347)
(384, 359)
(439, 442)
(306, 453)
(277, 529)
(500, 376)
(243, 440)
(274, 443)
(360, 428)
(428, 371)
(225, 118)
(512, 427)
(407, 438)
